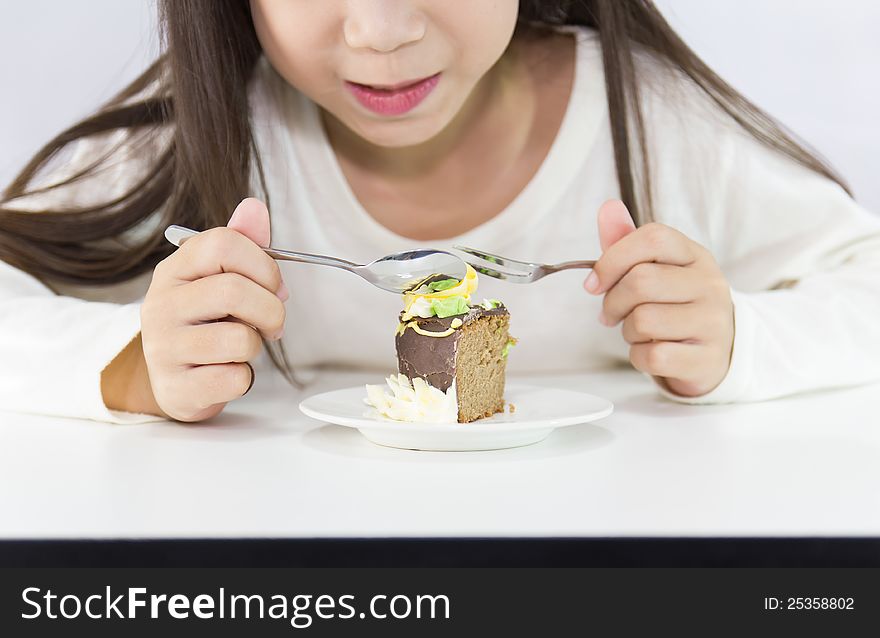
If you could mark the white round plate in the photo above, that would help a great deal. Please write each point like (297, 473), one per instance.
(538, 411)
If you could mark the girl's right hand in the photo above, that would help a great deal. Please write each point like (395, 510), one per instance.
(207, 306)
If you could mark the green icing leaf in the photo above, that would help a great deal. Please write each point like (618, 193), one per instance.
(489, 304)
(450, 306)
(443, 284)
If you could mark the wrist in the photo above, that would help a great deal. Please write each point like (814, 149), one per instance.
(125, 382)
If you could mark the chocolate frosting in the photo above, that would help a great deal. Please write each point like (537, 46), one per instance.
(433, 358)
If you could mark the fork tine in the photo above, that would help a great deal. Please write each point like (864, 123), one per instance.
(518, 278)
(492, 265)
(498, 260)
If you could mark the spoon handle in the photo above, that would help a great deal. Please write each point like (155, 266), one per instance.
(179, 234)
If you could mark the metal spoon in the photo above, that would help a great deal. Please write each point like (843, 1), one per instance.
(396, 273)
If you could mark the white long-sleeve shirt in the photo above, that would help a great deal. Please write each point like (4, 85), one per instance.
(801, 257)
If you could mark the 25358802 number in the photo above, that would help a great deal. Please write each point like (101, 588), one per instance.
(817, 602)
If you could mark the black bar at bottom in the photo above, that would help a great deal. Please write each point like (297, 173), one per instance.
(446, 552)
(439, 602)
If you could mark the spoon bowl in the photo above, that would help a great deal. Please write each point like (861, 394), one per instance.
(397, 272)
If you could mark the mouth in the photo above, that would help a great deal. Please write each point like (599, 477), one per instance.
(393, 99)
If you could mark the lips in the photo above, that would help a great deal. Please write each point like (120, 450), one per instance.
(393, 99)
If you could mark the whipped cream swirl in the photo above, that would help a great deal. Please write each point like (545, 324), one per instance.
(413, 400)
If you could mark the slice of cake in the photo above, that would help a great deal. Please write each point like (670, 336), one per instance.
(451, 355)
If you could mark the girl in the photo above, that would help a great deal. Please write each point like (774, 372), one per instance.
(734, 265)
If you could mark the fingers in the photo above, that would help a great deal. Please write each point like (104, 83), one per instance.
(672, 297)
(650, 283)
(203, 317)
(230, 294)
(650, 243)
(218, 383)
(667, 358)
(686, 369)
(662, 322)
(220, 342)
(251, 219)
(200, 392)
(614, 221)
(220, 250)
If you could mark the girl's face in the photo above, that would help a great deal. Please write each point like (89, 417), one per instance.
(395, 72)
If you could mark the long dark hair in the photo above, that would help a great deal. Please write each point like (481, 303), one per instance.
(197, 92)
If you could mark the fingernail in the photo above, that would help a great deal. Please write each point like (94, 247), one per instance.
(253, 378)
(282, 292)
(235, 214)
(603, 319)
(592, 283)
(278, 334)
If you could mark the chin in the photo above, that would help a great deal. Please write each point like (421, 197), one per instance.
(400, 133)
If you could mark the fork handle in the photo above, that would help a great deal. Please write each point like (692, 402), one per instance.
(568, 265)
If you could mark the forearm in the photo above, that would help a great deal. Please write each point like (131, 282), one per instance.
(54, 349)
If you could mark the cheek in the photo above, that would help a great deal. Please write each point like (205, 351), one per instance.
(296, 37)
(481, 32)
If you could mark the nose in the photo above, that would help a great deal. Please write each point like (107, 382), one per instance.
(383, 25)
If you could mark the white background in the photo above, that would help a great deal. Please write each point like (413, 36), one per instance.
(813, 64)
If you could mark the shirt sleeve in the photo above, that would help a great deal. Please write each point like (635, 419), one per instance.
(54, 348)
(803, 262)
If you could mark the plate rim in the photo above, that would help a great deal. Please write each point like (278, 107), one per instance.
(479, 425)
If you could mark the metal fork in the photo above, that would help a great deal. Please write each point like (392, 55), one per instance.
(523, 272)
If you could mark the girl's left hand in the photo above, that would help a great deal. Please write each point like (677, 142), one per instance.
(672, 298)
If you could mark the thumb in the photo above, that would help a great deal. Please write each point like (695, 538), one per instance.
(615, 223)
(251, 219)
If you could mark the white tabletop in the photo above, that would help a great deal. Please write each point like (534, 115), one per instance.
(801, 466)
